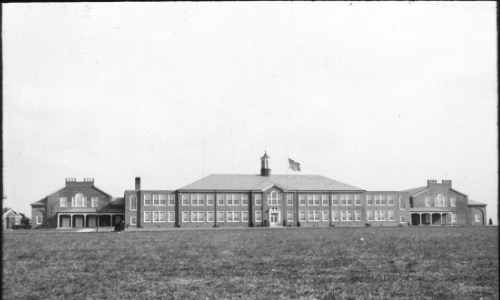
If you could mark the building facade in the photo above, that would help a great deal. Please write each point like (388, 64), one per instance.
(11, 218)
(79, 204)
(261, 200)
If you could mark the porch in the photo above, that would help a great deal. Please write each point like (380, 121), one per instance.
(88, 220)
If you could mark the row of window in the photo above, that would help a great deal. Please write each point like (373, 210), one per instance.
(440, 201)
(155, 200)
(274, 199)
(156, 216)
(222, 216)
(78, 201)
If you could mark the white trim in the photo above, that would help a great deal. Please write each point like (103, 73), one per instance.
(454, 218)
(39, 219)
(289, 213)
(370, 215)
(369, 200)
(133, 221)
(150, 217)
(233, 214)
(185, 197)
(389, 215)
(302, 216)
(195, 216)
(289, 199)
(402, 200)
(357, 216)
(185, 217)
(171, 197)
(150, 200)
(65, 201)
(259, 196)
(402, 219)
(335, 215)
(130, 203)
(419, 193)
(210, 215)
(314, 213)
(209, 199)
(324, 215)
(335, 198)
(388, 199)
(302, 200)
(258, 216)
(453, 202)
(158, 213)
(356, 199)
(94, 204)
(220, 216)
(477, 218)
(171, 213)
(243, 213)
(164, 200)
(324, 200)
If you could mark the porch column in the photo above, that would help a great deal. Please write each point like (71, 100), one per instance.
(111, 220)
(58, 217)
(420, 214)
(84, 220)
(71, 221)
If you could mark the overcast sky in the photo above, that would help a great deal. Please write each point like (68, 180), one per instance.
(378, 95)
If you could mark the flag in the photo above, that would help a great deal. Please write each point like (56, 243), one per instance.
(294, 165)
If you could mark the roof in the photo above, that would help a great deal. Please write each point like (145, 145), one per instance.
(118, 201)
(415, 190)
(430, 209)
(10, 211)
(258, 182)
(472, 202)
(42, 201)
(265, 156)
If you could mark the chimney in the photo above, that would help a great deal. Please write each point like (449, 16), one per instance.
(447, 182)
(431, 181)
(138, 183)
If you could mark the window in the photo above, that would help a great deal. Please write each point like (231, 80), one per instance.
(289, 215)
(325, 215)
(289, 200)
(302, 216)
(349, 200)
(147, 216)
(377, 200)
(357, 200)
(156, 215)
(391, 215)
(210, 216)
(79, 201)
(313, 216)
(453, 218)
(335, 215)
(133, 203)
(220, 200)
(133, 221)
(233, 216)
(39, 219)
(185, 200)
(147, 200)
(346, 215)
(171, 200)
(310, 201)
(163, 200)
(343, 200)
(316, 200)
(197, 216)
(244, 200)
(210, 200)
(453, 202)
(156, 200)
(335, 200)
(220, 216)
(369, 215)
(324, 200)
(229, 200)
(185, 217)
(258, 216)
(383, 215)
(357, 215)
(163, 216)
(63, 202)
(402, 219)
(244, 216)
(171, 216)
(258, 200)
(382, 200)
(236, 199)
(369, 200)
(477, 217)
(427, 202)
(197, 200)
(272, 199)
(440, 201)
(302, 200)
(377, 215)
(390, 200)
(94, 202)
(402, 204)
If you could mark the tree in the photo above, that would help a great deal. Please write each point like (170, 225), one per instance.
(25, 220)
(50, 211)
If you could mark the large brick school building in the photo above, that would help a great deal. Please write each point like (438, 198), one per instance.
(261, 200)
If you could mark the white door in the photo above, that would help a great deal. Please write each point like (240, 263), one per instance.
(273, 219)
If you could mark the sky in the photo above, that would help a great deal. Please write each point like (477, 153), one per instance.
(379, 95)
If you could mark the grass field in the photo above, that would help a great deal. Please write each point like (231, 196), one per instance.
(291, 263)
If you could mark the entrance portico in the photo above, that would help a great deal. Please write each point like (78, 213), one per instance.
(274, 216)
(431, 218)
(87, 220)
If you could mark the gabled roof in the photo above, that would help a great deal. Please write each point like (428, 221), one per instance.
(10, 211)
(415, 191)
(42, 201)
(472, 202)
(118, 201)
(258, 182)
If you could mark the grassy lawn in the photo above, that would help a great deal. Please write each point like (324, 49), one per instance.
(291, 263)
